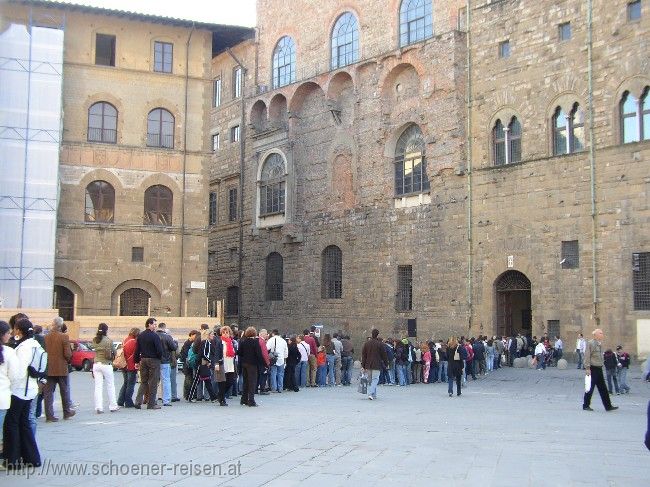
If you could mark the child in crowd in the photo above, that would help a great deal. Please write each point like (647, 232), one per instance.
(321, 371)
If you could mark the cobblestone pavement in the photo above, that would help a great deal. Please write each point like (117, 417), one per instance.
(515, 427)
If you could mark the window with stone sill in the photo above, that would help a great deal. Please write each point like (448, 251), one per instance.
(100, 202)
(570, 254)
(158, 203)
(272, 186)
(568, 131)
(410, 163)
(284, 62)
(506, 142)
(635, 117)
(163, 57)
(345, 41)
(160, 128)
(102, 123)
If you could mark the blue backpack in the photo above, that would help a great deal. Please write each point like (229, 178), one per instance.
(192, 358)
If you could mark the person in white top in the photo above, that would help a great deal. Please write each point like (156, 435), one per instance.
(303, 366)
(581, 345)
(338, 348)
(278, 346)
(540, 355)
(19, 447)
(8, 370)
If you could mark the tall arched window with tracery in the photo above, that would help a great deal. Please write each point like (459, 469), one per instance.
(272, 185)
(284, 62)
(415, 21)
(345, 41)
(635, 117)
(506, 142)
(410, 163)
(568, 131)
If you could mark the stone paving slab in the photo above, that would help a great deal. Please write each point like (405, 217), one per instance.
(514, 427)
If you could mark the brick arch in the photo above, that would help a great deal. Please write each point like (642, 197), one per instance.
(259, 115)
(135, 283)
(393, 67)
(395, 134)
(297, 101)
(566, 101)
(278, 111)
(101, 174)
(161, 178)
(339, 82)
(75, 288)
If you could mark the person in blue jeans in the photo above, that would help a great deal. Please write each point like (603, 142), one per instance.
(331, 358)
(373, 359)
(443, 365)
(303, 365)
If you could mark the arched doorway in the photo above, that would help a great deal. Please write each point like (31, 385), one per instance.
(134, 302)
(64, 301)
(513, 304)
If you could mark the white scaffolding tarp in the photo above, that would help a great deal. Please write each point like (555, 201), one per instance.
(31, 75)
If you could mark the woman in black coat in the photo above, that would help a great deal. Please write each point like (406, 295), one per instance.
(455, 368)
(293, 359)
(250, 358)
(203, 374)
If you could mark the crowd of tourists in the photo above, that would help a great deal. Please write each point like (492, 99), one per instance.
(223, 362)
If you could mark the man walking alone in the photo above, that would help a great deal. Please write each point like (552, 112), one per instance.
(594, 368)
(373, 359)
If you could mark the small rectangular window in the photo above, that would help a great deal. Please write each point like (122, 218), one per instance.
(234, 133)
(641, 280)
(553, 329)
(163, 57)
(212, 258)
(212, 208)
(504, 49)
(462, 19)
(570, 254)
(236, 82)
(232, 204)
(404, 288)
(105, 50)
(634, 10)
(217, 92)
(137, 254)
(564, 31)
(216, 142)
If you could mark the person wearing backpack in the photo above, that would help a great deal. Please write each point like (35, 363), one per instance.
(19, 447)
(59, 354)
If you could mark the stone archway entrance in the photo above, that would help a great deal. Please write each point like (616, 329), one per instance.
(513, 304)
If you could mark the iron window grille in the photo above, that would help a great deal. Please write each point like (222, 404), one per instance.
(332, 273)
(160, 129)
(404, 288)
(100, 202)
(553, 328)
(274, 277)
(641, 280)
(284, 62)
(102, 123)
(105, 50)
(232, 301)
(137, 254)
(410, 163)
(345, 41)
(158, 204)
(134, 302)
(212, 208)
(272, 185)
(568, 131)
(635, 117)
(415, 21)
(506, 142)
(232, 204)
(570, 254)
(163, 57)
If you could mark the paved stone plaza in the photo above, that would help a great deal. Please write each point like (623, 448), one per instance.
(516, 427)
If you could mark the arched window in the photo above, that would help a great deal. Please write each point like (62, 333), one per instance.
(415, 21)
(568, 131)
(332, 273)
(100, 202)
(635, 117)
(274, 277)
(506, 142)
(284, 62)
(158, 204)
(559, 132)
(410, 163)
(345, 41)
(272, 185)
(134, 302)
(160, 128)
(102, 123)
(64, 302)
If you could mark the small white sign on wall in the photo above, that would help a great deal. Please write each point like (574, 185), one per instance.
(511, 261)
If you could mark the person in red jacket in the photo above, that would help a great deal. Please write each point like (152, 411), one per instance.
(125, 397)
(313, 351)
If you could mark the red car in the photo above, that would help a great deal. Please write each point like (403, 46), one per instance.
(82, 356)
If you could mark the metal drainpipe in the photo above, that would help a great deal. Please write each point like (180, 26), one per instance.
(181, 290)
(468, 155)
(592, 162)
(240, 213)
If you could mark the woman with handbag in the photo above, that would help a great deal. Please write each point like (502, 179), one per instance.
(103, 369)
(203, 348)
(129, 373)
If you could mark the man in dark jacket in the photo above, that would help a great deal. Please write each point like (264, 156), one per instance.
(57, 346)
(479, 355)
(168, 346)
(148, 353)
(373, 359)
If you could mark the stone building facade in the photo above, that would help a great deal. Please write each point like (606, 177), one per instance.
(132, 212)
(419, 168)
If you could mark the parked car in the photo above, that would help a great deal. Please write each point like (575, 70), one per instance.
(82, 356)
